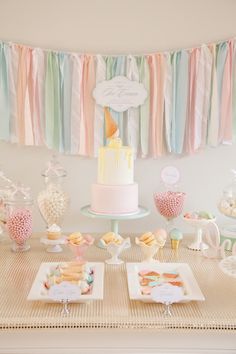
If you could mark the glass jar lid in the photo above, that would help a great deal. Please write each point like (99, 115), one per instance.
(54, 169)
(19, 195)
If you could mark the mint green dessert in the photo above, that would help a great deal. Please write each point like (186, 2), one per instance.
(176, 234)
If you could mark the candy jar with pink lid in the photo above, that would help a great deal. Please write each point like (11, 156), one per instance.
(53, 201)
(169, 201)
(19, 219)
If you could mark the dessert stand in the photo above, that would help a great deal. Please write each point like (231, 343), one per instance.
(115, 218)
(199, 225)
(53, 245)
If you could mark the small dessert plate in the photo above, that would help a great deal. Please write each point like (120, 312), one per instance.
(228, 266)
(38, 291)
(191, 289)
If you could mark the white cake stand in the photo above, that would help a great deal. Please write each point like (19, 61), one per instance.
(53, 245)
(115, 218)
(198, 225)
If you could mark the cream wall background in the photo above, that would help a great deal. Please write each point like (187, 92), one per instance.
(120, 26)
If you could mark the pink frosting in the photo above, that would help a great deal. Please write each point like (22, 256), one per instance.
(106, 199)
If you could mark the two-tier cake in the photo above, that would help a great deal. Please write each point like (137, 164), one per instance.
(115, 191)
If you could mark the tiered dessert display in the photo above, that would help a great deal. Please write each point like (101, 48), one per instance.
(116, 192)
(19, 217)
(115, 195)
(53, 203)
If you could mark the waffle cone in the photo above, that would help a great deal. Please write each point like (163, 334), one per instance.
(175, 244)
(111, 126)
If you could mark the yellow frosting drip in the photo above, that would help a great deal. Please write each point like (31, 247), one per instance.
(128, 156)
(114, 144)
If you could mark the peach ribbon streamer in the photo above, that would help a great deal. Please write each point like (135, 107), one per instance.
(88, 108)
(157, 74)
(167, 101)
(36, 59)
(225, 131)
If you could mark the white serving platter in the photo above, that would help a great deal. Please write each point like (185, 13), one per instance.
(192, 290)
(39, 293)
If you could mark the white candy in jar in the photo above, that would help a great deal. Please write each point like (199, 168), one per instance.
(53, 203)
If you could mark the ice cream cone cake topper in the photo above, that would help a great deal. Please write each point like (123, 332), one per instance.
(111, 126)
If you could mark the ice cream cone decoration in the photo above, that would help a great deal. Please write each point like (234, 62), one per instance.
(111, 126)
(175, 236)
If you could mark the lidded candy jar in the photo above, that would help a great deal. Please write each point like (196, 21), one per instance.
(6, 186)
(227, 203)
(53, 201)
(19, 205)
(169, 201)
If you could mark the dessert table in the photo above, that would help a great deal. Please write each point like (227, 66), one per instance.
(115, 324)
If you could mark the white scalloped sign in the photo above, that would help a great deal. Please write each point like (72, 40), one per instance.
(120, 93)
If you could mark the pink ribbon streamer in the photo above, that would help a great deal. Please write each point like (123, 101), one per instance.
(190, 124)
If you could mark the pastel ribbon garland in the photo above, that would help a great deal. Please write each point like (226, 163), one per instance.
(46, 98)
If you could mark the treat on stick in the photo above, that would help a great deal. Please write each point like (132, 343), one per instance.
(111, 126)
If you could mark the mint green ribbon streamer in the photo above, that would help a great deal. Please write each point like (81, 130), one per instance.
(65, 97)
(144, 109)
(180, 63)
(115, 67)
(52, 102)
(4, 93)
(221, 50)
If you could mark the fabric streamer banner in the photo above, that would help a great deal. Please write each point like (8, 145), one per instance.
(46, 99)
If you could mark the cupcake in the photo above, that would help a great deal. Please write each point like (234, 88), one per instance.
(53, 232)
(175, 237)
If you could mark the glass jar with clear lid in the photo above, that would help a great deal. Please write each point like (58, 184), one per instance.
(6, 186)
(227, 203)
(53, 201)
(19, 207)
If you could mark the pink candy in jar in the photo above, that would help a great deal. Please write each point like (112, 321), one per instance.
(169, 204)
(19, 224)
(19, 217)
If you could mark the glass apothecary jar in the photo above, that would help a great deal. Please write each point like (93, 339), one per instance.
(19, 222)
(6, 186)
(53, 201)
(227, 203)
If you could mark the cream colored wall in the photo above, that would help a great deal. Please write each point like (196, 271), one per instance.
(121, 26)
